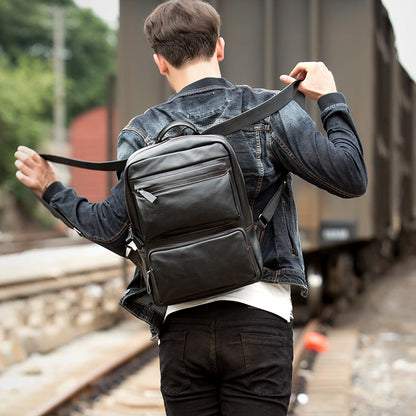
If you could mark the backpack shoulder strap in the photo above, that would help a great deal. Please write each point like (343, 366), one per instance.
(268, 107)
(109, 166)
(268, 212)
(272, 105)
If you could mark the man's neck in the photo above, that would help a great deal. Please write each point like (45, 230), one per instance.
(191, 72)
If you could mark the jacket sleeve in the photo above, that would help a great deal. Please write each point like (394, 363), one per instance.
(334, 163)
(105, 223)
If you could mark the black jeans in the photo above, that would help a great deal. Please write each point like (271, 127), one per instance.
(224, 359)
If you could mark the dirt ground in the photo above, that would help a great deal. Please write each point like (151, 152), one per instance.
(384, 379)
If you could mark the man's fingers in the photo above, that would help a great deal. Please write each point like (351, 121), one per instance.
(300, 70)
(27, 150)
(25, 168)
(20, 165)
(286, 79)
(26, 180)
(25, 158)
(34, 171)
(316, 79)
(26, 153)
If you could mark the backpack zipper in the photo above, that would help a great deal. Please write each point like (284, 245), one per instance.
(147, 195)
(147, 282)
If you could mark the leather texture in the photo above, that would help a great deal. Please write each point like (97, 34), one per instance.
(193, 227)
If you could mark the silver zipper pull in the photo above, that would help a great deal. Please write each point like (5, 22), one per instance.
(131, 246)
(147, 195)
(147, 280)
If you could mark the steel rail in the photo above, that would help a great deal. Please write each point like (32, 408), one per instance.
(91, 379)
(298, 354)
(94, 376)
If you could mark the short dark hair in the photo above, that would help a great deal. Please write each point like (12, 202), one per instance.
(182, 30)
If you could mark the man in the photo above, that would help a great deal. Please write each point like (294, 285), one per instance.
(230, 354)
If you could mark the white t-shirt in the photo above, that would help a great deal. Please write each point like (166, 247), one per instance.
(274, 298)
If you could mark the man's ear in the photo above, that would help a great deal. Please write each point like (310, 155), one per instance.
(220, 49)
(161, 63)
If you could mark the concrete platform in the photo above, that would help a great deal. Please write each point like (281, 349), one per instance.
(371, 367)
(54, 262)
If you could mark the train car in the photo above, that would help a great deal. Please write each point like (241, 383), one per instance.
(342, 239)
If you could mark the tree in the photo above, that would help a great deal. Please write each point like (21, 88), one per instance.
(26, 94)
(26, 76)
(91, 45)
(26, 28)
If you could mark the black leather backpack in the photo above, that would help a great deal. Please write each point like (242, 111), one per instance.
(192, 233)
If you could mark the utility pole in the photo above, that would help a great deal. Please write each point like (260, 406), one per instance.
(59, 72)
(59, 128)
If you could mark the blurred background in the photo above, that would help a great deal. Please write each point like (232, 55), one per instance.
(72, 74)
(58, 70)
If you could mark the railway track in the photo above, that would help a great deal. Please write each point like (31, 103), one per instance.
(122, 379)
(109, 386)
(115, 371)
(50, 296)
(97, 372)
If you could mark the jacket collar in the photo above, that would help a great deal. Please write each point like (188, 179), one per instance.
(202, 84)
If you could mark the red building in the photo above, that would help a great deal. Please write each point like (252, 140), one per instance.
(88, 138)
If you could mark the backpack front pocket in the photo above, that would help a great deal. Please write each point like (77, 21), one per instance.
(204, 266)
(186, 200)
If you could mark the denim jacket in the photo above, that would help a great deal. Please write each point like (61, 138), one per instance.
(285, 142)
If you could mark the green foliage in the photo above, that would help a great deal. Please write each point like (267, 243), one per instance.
(26, 94)
(26, 27)
(27, 80)
(22, 27)
(92, 58)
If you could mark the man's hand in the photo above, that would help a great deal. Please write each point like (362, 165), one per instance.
(317, 79)
(34, 171)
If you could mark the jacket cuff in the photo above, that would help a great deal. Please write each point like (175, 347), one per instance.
(330, 99)
(51, 190)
